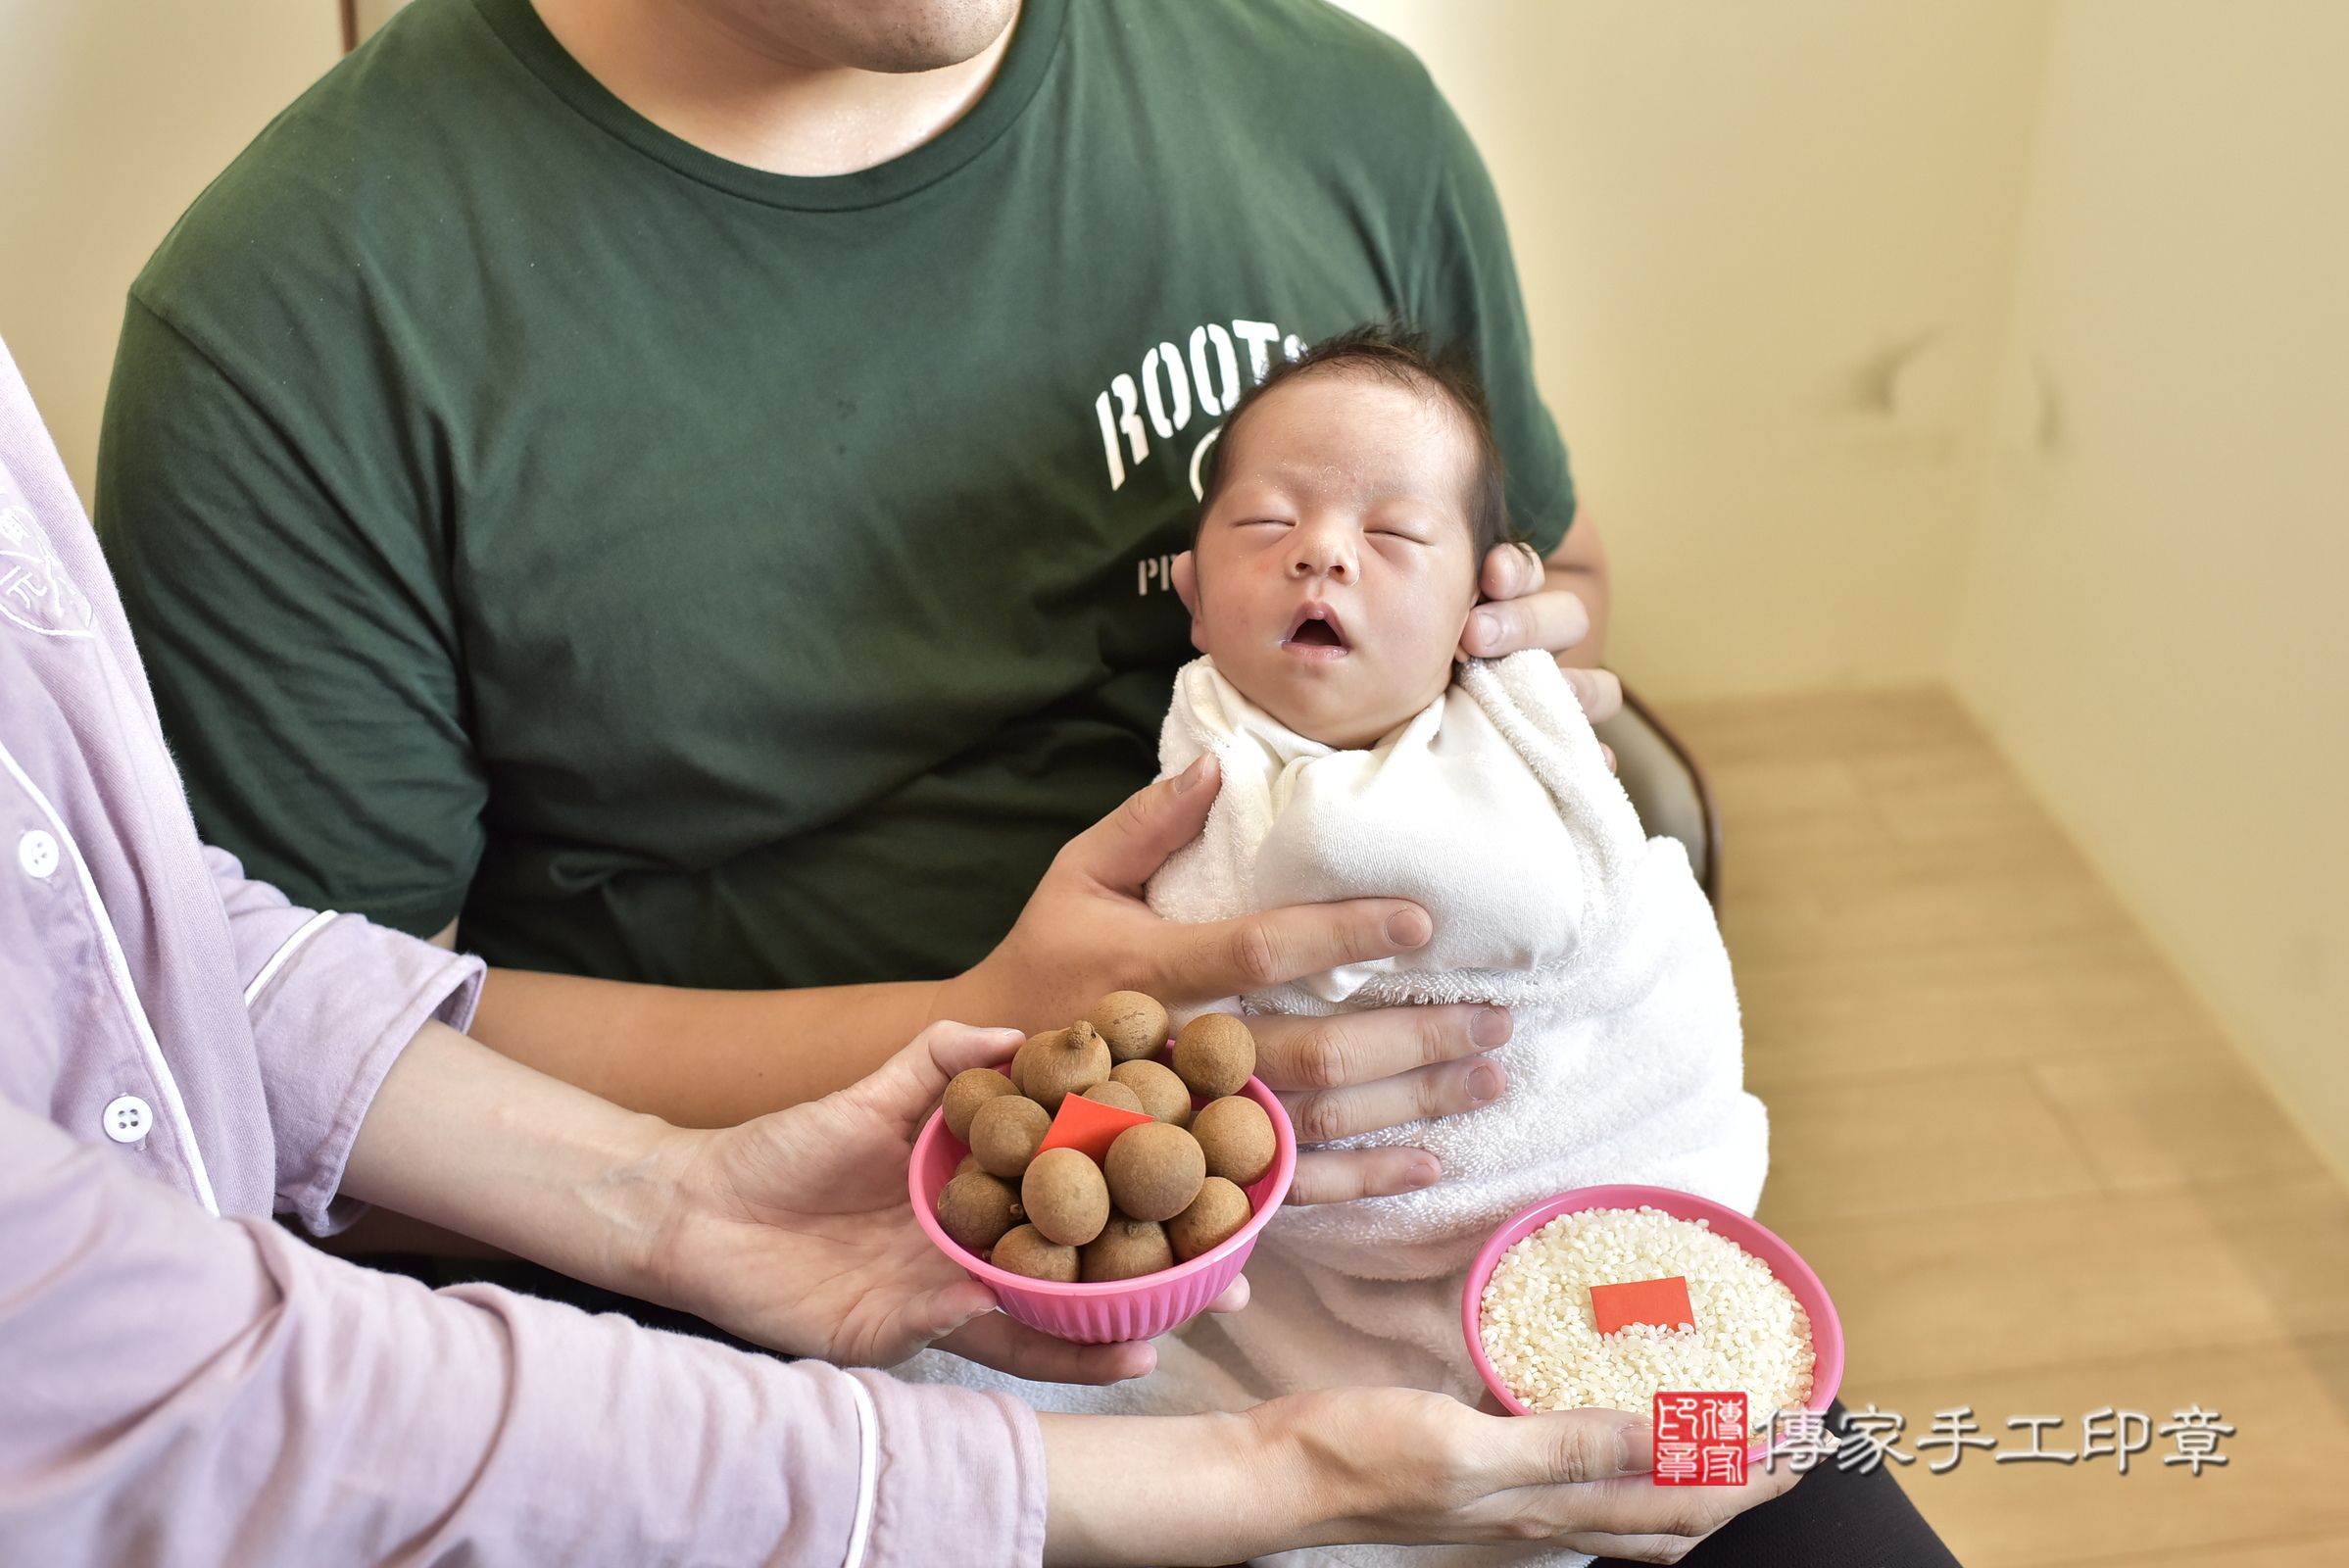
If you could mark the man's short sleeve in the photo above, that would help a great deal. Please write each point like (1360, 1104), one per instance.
(307, 634)
(1465, 282)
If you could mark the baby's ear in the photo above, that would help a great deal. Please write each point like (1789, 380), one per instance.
(1185, 571)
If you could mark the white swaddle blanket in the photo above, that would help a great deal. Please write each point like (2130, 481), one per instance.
(1493, 809)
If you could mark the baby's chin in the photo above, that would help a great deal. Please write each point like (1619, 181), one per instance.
(1331, 711)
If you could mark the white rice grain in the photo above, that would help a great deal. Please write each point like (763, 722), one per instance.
(1539, 1335)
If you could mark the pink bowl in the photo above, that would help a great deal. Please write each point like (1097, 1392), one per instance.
(1139, 1308)
(1827, 1330)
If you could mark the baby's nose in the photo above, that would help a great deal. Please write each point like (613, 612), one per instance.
(1339, 570)
(1322, 557)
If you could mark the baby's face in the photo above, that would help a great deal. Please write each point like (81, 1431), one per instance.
(1335, 571)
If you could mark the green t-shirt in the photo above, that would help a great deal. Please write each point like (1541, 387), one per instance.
(713, 577)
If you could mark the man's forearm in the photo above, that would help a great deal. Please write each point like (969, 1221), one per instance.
(699, 1059)
(1578, 566)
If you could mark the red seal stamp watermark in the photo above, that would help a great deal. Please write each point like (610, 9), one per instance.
(1701, 1440)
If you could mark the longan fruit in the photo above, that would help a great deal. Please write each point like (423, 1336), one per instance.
(1154, 1170)
(965, 1165)
(977, 1209)
(1126, 1248)
(1025, 1251)
(1060, 1063)
(1237, 1137)
(1027, 1053)
(1161, 1093)
(1109, 1092)
(968, 1092)
(1213, 1218)
(1065, 1196)
(1004, 1134)
(1215, 1054)
(1134, 1025)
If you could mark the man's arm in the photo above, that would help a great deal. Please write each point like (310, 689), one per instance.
(699, 1059)
(1579, 567)
(715, 1059)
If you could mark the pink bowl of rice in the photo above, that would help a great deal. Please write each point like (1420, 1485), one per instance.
(1763, 1321)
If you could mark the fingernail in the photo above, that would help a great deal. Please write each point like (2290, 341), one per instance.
(1483, 1083)
(1188, 779)
(1635, 1451)
(1424, 1173)
(1485, 625)
(1490, 1027)
(1409, 929)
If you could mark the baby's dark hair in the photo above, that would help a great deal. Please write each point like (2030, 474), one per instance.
(1400, 356)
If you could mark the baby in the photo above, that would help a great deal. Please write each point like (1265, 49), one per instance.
(1351, 499)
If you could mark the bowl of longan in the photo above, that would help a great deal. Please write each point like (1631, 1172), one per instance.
(1111, 1179)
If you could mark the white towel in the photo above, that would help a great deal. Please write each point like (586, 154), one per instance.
(1493, 809)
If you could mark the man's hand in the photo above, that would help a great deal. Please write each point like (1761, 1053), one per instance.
(1087, 931)
(1559, 606)
(1392, 1465)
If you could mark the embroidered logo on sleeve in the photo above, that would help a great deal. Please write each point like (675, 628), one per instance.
(35, 591)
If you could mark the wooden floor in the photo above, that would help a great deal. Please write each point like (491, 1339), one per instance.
(2035, 1177)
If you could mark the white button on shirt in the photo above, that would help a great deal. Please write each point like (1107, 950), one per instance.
(36, 852)
(126, 1118)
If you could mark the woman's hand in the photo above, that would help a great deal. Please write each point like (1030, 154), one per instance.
(1348, 1465)
(795, 1229)
(1087, 931)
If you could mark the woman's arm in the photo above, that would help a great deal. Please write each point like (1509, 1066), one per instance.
(215, 1391)
(1345, 1465)
(795, 1229)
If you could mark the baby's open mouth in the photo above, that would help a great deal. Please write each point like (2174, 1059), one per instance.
(1315, 626)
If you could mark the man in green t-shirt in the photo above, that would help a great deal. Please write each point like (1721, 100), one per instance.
(545, 516)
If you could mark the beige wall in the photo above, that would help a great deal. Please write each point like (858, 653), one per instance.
(1767, 249)
(113, 114)
(2106, 498)
(2154, 626)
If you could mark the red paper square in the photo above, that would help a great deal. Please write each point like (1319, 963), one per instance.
(1662, 1302)
(1089, 1125)
(1701, 1440)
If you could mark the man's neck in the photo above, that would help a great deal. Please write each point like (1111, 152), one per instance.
(705, 72)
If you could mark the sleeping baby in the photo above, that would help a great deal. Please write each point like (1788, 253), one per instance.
(1351, 498)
